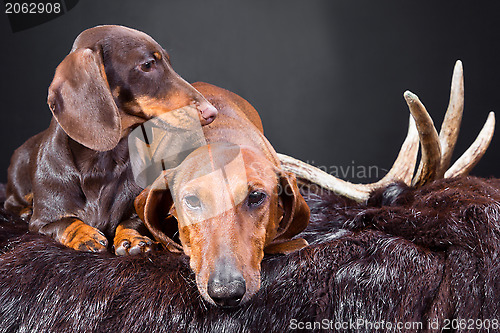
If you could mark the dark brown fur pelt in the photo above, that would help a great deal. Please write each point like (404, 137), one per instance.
(2, 193)
(407, 256)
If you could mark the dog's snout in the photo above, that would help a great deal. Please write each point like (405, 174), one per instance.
(226, 286)
(226, 294)
(208, 113)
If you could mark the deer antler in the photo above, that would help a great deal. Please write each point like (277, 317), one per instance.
(453, 117)
(436, 154)
(469, 159)
(402, 169)
(437, 149)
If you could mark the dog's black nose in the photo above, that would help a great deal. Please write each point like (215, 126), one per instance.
(226, 287)
(226, 294)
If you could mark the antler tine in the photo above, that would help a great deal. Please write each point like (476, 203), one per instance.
(402, 169)
(452, 119)
(475, 152)
(404, 165)
(431, 151)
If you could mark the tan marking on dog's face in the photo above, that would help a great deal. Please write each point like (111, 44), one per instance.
(157, 55)
(139, 75)
(154, 107)
(226, 213)
(146, 107)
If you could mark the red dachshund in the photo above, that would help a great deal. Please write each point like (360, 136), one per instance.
(227, 203)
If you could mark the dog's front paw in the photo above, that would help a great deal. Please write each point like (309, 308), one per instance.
(129, 242)
(82, 237)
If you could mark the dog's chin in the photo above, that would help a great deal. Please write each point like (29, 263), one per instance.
(207, 298)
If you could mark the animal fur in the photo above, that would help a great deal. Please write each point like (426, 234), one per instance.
(409, 255)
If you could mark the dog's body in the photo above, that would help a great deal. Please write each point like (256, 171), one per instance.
(73, 181)
(231, 202)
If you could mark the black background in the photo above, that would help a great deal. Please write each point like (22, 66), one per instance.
(326, 76)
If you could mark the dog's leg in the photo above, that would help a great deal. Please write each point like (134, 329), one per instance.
(130, 239)
(77, 235)
(25, 210)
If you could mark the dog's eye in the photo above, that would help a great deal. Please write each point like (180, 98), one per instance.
(192, 202)
(148, 65)
(256, 198)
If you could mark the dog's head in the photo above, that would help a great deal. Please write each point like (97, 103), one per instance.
(113, 79)
(224, 206)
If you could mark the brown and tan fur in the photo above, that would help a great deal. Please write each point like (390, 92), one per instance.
(73, 181)
(227, 234)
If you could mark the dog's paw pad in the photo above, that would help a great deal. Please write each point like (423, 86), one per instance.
(130, 242)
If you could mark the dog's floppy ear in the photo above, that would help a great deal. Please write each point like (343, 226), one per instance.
(80, 100)
(295, 218)
(153, 206)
